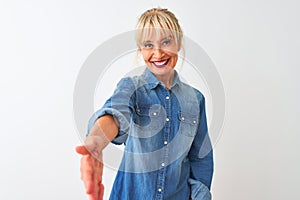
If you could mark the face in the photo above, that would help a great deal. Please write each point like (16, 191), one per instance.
(160, 54)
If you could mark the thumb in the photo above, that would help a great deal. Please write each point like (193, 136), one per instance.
(82, 150)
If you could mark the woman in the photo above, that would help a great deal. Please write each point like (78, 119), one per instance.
(161, 120)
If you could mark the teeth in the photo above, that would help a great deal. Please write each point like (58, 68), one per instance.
(161, 63)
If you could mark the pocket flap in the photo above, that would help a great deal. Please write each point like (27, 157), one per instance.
(188, 118)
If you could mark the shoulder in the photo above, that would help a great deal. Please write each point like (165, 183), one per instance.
(192, 91)
(131, 83)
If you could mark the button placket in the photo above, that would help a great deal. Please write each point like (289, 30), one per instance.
(163, 160)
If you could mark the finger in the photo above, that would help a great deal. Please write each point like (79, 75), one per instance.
(101, 191)
(98, 170)
(95, 194)
(98, 179)
(82, 150)
(87, 173)
(93, 197)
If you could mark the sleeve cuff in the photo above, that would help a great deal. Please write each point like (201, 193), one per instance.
(123, 123)
(199, 191)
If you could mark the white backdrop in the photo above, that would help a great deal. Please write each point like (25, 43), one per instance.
(254, 44)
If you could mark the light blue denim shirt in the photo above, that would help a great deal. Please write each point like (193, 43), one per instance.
(168, 154)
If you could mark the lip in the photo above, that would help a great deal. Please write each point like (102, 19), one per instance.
(160, 63)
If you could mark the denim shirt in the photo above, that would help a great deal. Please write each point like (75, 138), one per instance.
(167, 154)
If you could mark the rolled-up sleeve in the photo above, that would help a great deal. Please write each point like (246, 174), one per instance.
(120, 106)
(201, 159)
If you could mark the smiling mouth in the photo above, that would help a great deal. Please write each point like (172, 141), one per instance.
(160, 63)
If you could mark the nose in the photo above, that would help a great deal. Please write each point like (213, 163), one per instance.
(158, 53)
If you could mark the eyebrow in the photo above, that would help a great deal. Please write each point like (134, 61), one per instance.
(168, 37)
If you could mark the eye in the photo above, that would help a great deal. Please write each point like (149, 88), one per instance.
(166, 42)
(148, 45)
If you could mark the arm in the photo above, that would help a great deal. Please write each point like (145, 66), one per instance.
(107, 124)
(119, 106)
(201, 159)
(103, 131)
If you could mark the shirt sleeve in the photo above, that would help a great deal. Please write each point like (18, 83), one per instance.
(201, 159)
(120, 106)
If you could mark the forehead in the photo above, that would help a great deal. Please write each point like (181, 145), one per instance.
(154, 34)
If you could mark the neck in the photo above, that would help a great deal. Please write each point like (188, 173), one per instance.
(167, 80)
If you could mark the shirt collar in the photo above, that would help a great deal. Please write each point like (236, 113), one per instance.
(153, 82)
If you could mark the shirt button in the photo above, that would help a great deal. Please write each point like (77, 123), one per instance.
(182, 118)
(159, 190)
(154, 113)
(162, 164)
(194, 122)
(165, 142)
(167, 97)
(167, 119)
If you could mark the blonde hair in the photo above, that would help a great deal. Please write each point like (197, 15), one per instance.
(163, 22)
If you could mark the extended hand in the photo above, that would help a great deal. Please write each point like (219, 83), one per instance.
(91, 173)
(91, 168)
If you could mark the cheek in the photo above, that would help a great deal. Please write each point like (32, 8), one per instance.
(174, 58)
(146, 55)
(172, 54)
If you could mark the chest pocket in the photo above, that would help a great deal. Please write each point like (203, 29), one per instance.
(147, 120)
(188, 123)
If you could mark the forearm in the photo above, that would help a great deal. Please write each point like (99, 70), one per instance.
(202, 169)
(105, 129)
